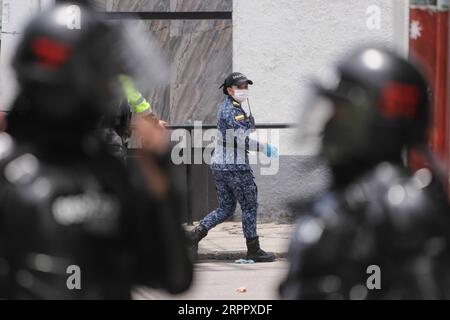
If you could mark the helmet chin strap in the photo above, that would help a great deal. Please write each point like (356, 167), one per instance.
(249, 108)
(250, 117)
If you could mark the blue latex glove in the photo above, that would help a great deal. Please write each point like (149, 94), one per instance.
(271, 151)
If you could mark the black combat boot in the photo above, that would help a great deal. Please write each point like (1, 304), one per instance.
(195, 235)
(255, 253)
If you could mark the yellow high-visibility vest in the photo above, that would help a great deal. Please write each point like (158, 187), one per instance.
(135, 99)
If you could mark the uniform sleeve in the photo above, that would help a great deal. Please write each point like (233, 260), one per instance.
(236, 120)
(138, 103)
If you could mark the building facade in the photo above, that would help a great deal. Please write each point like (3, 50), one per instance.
(278, 44)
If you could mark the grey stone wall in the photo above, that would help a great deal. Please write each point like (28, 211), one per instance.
(199, 53)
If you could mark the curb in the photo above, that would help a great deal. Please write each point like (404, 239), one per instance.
(231, 255)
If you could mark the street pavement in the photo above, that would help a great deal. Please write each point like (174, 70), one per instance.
(219, 280)
(218, 277)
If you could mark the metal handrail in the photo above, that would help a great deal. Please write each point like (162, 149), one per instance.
(214, 126)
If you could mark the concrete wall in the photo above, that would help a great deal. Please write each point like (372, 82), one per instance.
(279, 45)
(1, 14)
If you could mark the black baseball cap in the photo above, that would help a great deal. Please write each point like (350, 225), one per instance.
(235, 79)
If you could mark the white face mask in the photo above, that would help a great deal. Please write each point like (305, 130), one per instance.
(240, 95)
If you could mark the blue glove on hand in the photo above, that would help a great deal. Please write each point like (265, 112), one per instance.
(271, 151)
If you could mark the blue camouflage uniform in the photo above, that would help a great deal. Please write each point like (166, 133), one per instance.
(231, 169)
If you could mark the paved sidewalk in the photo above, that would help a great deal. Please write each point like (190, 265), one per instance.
(226, 241)
(223, 280)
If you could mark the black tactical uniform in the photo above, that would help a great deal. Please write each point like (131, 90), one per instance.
(115, 130)
(65, 202)
(379, 219)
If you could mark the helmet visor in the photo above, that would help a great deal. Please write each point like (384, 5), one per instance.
(333, 125)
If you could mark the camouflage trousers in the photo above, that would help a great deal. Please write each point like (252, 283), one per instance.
(233, 187)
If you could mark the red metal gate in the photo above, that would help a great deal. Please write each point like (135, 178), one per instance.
(429, 39)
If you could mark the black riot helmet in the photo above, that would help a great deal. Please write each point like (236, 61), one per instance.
(378, 106)
(67, 65)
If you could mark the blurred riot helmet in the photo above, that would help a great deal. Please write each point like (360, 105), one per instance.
(65, 68)
(68, 65)
(378, 106)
